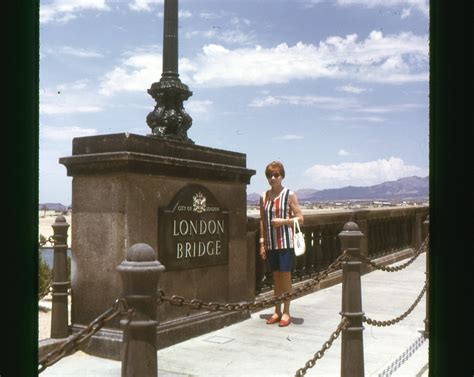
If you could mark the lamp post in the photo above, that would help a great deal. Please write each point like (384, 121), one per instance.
(169, 120)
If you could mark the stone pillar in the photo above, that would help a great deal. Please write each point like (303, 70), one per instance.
(352, 347)
(140, 274)
(426, 225)
(122, 187)
(59, 314)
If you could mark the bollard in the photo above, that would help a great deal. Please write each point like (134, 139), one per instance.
(140, 274)
(426, 333)
(60, 284)
(352, 345)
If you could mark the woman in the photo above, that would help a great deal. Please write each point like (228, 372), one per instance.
(278, 209)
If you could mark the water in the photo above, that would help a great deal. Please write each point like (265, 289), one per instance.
(48, 253)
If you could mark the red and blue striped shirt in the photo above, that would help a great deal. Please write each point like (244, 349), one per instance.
(279, 207)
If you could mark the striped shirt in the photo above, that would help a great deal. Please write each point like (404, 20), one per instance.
(281, 237)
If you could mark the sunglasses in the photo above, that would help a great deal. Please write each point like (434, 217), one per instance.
(276, 175)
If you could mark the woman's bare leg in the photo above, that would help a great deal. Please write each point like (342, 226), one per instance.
(277, 289)
(285, 286)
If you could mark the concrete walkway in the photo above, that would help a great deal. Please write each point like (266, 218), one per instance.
(252, 348)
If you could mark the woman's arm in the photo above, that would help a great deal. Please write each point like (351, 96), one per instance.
(295, 208)
(261, 244)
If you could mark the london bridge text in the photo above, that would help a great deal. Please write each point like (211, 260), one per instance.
(195, 248)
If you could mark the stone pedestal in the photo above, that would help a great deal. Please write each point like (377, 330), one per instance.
(121, 183)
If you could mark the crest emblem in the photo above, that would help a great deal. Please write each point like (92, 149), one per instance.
(199, 202)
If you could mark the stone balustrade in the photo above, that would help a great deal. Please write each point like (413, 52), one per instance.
(386, 231)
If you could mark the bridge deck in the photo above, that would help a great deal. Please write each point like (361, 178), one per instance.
(252, 348)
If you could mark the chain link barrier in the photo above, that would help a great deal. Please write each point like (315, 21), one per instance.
(423, 248)
(399, 361)
(399, 318)
(318, 355)
(120, 307)
(43, 242)
(198, 304)
(261, 304)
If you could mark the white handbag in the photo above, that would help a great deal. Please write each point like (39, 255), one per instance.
(298, 238)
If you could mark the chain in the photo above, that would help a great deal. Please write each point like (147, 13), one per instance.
(261, 304)
(318, 355)
(50, 240)
(387, 372)
(399, 318)
(423, 247)
(72, 345)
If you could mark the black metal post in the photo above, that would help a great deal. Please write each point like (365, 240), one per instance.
(170, 39)
(59, 314)
(352, 347)
(426, 225)
(140, 274)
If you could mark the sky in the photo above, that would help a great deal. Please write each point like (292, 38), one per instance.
(337, 90)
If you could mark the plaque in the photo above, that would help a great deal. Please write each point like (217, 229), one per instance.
(193, 230)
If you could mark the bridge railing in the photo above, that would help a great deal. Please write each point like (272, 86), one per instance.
(140, 273)
(386, 231)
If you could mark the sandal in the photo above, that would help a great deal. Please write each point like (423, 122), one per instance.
(272, 319)
(284, 323)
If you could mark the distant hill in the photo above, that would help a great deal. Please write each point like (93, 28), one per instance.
(253, 198)
(52, 207)
(404, 188)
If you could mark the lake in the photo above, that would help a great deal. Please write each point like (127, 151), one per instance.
(48, 252)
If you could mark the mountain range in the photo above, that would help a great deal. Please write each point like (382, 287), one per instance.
(58, 207)
(404, 188)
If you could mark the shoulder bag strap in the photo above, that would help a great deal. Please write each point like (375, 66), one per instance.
(296, 225)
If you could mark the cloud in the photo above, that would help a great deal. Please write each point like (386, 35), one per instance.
(311, 3)
(343, 152)
(80, 53)
(54, 109)
(135, 74)
(351, 89)
(65, 133)
(68, 98)
(392, 59)
(75, 85)
(339, 118)
(420, 5)
(231, 31)
(227, 36)
(289, 137)
(184, 14)
(198, 107)
(144, 5)
(361, 173)
(240, 21)
(72, 51)
(384, 59)
(390, 109)
(62, 11)
(209, 15)
(324, 102)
